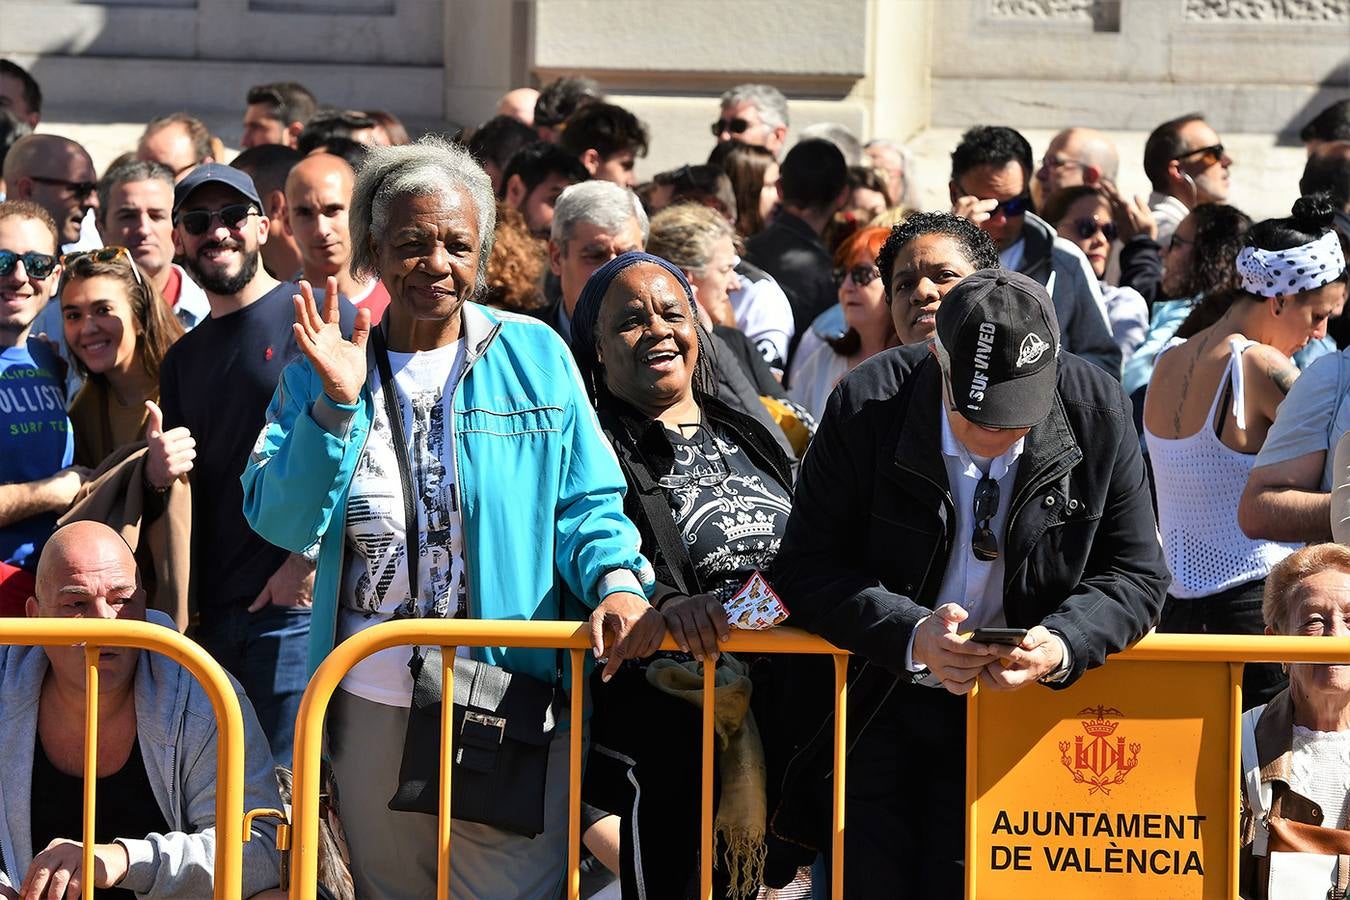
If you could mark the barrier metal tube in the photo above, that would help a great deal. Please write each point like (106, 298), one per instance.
(90, 767)
(574, 636)
(96, 634)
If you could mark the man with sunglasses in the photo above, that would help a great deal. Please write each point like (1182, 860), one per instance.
(37, 482)
(990, 186)
(1187, 165)
(984, 480)
(216, 382)
(755, 114)
(57, 174)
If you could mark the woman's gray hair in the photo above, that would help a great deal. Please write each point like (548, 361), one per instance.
(599, 203)
(431, 166)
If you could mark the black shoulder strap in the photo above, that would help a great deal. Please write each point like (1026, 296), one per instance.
(411, 528)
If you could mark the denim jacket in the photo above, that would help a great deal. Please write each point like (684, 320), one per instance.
(540, 490)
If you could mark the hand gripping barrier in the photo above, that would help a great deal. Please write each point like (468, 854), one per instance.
(96, 634)
(572, 636)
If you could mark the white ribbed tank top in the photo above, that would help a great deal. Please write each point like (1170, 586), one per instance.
(1200, 481)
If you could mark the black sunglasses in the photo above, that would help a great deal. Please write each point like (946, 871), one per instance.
(1013, 206)
(197, 221)
(735, 126)
(80, 189)
(983, 543)
(1087, 226)
(36, 265)
(1213, 154)
(862, 275)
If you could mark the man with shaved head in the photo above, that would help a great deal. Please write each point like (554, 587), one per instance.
(57, 174)
(318, 195)
(519, 105)
(156, 756)
(179, 142)
(1076, 156)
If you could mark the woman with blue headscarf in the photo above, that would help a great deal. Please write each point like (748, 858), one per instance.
(710, 491)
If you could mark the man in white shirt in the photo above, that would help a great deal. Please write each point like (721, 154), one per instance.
(135, 211)
(1187, 165)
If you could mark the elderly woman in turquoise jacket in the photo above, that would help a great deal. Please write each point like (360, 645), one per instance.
(518, 502)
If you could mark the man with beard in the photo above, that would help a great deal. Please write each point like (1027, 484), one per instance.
(216, 381)
(36, 443)
(318, 197)
(135, 203)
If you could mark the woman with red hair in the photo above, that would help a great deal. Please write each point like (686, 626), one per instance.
(862, 295)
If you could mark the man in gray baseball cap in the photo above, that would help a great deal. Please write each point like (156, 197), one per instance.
(986, 480)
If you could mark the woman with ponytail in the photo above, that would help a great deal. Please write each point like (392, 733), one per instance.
(1213, 400)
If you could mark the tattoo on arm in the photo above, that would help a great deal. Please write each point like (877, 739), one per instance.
(1283, 373)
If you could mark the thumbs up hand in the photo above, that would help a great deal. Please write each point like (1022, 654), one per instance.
(170, 453)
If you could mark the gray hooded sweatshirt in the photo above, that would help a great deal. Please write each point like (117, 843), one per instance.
(177, 736)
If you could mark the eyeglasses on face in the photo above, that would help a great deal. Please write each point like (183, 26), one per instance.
(197, 221)
(1087, 226)
(1213, 155)
(1178, 242)
(1055, 163)
(862, 275)
(105, 255)
(35, 265)
(79, 189)
(983, 543)
(734, 126)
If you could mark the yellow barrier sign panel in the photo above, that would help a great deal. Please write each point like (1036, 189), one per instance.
(1123, 785)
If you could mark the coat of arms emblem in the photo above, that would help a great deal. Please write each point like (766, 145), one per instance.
(1098, 758)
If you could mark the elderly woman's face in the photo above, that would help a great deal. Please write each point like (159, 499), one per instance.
(646, 338)
(428, 254)
(1320, 607)
(924, 270)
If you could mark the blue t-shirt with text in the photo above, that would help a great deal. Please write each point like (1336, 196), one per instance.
(35, 439)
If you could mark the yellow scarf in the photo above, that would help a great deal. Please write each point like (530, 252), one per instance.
(742, 808)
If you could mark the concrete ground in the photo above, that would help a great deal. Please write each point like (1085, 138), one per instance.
(1264, 175)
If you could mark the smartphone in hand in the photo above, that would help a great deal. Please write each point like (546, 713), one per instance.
(1007, 637)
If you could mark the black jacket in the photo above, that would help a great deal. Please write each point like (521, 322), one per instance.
(1082, 325)
(872, 525)
(645, 453)
(1141, 267)
(792, 252)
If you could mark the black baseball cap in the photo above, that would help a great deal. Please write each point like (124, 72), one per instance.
(999, 339)
(215, 173)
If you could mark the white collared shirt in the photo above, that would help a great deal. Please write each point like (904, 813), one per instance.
(968, 582)
(973, 584)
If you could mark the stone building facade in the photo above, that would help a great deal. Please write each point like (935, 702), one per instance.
(881, 67)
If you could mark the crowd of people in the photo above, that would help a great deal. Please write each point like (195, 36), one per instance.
(350, 377)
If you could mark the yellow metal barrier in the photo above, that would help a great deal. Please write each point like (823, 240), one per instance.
(96, 634)
(572, 636)
(1176, 701)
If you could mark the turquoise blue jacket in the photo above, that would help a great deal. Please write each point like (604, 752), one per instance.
(540, 490)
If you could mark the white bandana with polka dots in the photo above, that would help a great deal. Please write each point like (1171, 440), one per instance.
(1275, 273)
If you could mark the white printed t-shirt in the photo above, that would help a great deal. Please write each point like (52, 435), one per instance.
(375, 580)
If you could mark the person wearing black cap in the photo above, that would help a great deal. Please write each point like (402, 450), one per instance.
(253, 598)
(985, 479)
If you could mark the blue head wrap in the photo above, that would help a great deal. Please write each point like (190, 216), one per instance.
(587, 311)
